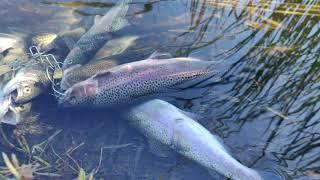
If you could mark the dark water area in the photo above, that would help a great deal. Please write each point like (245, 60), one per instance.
(265, 107)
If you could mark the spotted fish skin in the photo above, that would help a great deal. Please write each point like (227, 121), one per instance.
(130, 82)
(85, 49)
(162, 122)
(97, 36)
(78, 73)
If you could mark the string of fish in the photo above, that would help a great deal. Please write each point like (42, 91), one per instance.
(53, 67)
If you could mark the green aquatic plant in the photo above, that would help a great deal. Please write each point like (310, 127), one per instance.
(82, 175)
(22, 171)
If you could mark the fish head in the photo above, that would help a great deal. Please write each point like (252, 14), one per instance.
(68, 78)
(44, 41)
(23, 87)
(81, 94)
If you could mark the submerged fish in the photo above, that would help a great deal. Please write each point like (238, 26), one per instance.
(44, 40)
(8, 41)
(164, 124)
(96, 37)
(116, 46)
(12, 47)
(78, 73)
(147, 78)
(51, 41)
(28, 83)
(32, 79)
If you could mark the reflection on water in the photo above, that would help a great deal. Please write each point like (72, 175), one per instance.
(266, 106)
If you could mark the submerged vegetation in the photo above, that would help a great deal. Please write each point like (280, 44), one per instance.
(42, 161)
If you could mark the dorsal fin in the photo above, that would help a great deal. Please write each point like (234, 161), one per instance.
(158, 55)
(97, 18)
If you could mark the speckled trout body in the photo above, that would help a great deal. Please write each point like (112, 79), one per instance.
(78, 73)
(97, 36)
(163, 122)
(134, 81)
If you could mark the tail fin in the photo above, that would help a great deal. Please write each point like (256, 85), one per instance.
(113, 20)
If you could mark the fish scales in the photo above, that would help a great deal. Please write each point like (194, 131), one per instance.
(164, 123)
(97, 36)
(85, 49)
(79, 73)
(131, 81)
(138, 82)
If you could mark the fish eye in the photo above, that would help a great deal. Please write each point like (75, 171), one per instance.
(27, 89)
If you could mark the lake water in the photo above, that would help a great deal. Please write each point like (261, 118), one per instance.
(265, 107)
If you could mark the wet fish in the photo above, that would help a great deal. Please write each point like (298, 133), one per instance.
(11, 48)
(164, 124)
(96, 37)
(44, 40)
(8, 41)
(78, 73)
(32, 80)
(147, 78)
(116, 46)
(51, 41)
(28, 83)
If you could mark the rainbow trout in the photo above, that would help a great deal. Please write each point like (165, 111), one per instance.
(146, 78)
(163, 123)
(32, 80)
(97, 36)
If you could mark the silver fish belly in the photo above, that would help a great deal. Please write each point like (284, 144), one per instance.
(161, 121)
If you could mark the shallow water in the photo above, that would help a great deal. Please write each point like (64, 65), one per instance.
(265, 107)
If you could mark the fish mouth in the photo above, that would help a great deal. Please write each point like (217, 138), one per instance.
(13, 91)
(11, 117)
(9, 113)
(14, 95)
(15, 87)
